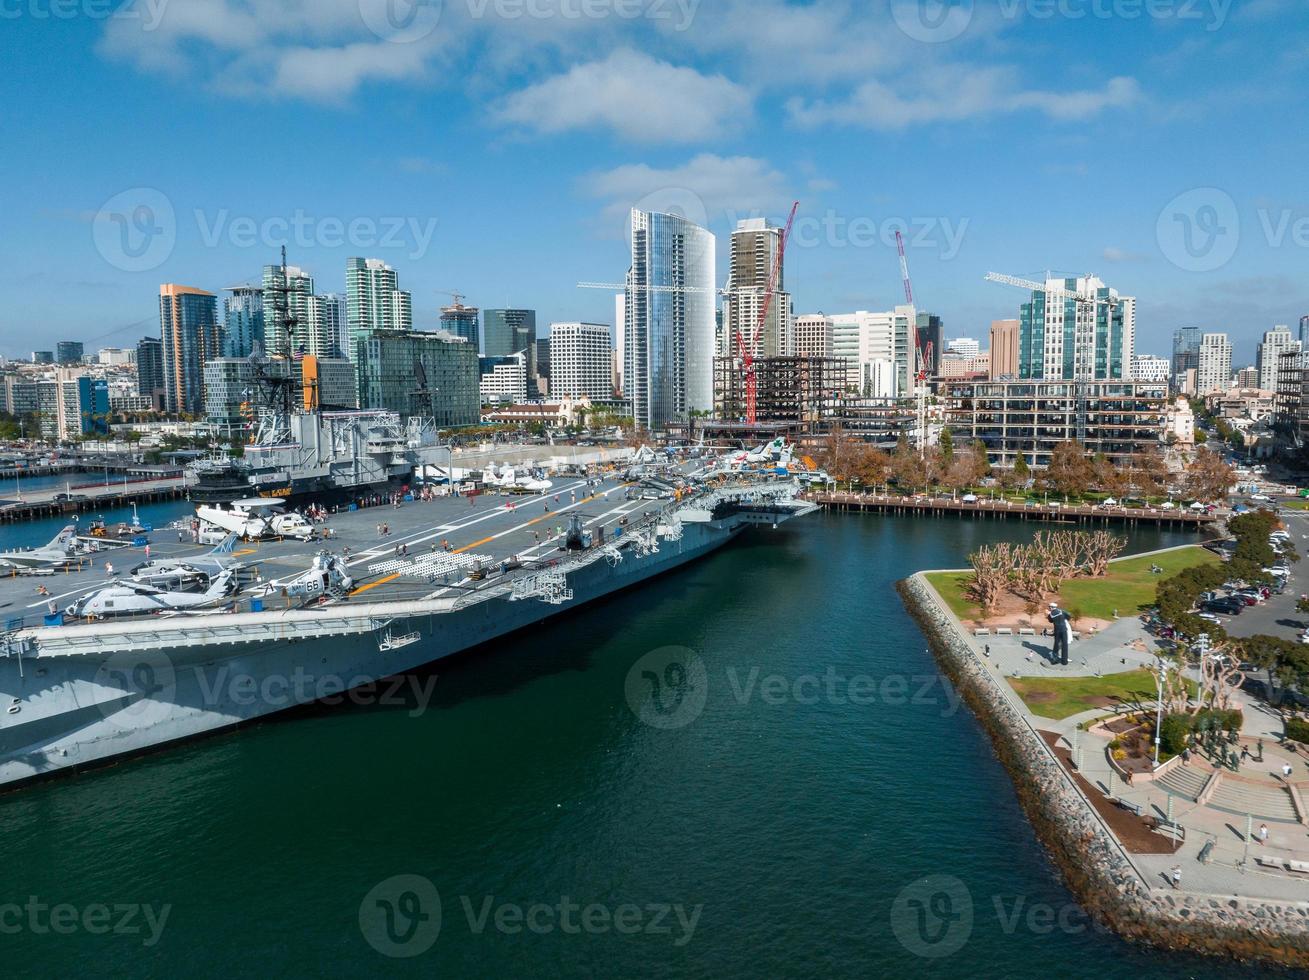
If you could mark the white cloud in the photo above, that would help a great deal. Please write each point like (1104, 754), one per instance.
(328, 74)
(956, 94)
(706, 189)
(1112, 254)
(636, 96)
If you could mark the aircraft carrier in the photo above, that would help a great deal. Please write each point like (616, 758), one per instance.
(441, 577)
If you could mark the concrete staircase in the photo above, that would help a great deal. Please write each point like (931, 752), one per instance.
(1261, 802)
(1185, 782)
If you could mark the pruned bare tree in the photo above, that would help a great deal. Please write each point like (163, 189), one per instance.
(992, 567)
(1100, 548)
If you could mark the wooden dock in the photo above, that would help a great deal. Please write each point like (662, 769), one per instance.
(1006, 509)
(43, 503)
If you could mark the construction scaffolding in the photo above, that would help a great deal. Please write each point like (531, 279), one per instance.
(793, 394)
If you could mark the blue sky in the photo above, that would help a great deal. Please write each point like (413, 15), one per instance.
(494, 147)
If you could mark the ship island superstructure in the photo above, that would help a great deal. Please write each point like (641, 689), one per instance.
(426, 580)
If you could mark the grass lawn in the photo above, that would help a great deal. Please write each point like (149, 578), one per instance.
(1061, 697)
(1294, 504)
(1128, 587)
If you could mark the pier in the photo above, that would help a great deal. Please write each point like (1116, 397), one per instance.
(1008, 509)
(48, 503)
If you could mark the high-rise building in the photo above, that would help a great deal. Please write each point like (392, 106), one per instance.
(813, 335)
(70, 405)
(963, 347)
(321, 383)
(329, 335)
(374, 300)
(876, 345)
(503, 379)
(462, 321)
(581, 357)
(286, 308)
(1186, 355)
(1246, 377)
(620, 340)
(243, 321)
(931, 341)
(150, 371)
(69, 352)
(43, 357)
(506, 332)
(755, 247)
(543, 364)
(668, 366)
(114, 356)
(1004, 349)
(1063, 339)
(1276, 342)
(1148, 368)
(1304, 333)
(419, 373)
(1214, 364)
(189, 331)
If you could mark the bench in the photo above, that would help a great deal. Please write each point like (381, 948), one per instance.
(1026, 631)
(981, 632)
(1300, 866)
(1206, 853)
(1003, 631)
(1130, 807)
(1268, 861)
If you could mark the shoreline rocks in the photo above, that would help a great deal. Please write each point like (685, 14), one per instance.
(1090, 859)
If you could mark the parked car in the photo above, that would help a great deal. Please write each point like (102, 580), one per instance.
(1228, 607)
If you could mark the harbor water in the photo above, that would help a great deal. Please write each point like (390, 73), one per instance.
(520, 812)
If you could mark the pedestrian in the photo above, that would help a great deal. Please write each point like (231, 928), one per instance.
(1286, 769)
(1177, 876)
(1245, 752)
(379, 530)
(180, 538)
(109, 569)
(147, 551)
(1263, 833)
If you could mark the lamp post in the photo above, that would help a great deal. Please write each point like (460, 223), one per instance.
(1159, 711)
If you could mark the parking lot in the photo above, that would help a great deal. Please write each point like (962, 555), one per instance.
(1277, 616)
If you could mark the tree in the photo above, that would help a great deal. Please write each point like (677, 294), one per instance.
(1208, 478)
(1069, 471)
(841, 456)
(874, 466)
(1100, 548)
(982, 458)
(907, 468)
(1022, 472)
(992, 565)
(946, 445)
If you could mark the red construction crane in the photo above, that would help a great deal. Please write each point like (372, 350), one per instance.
(747, 352)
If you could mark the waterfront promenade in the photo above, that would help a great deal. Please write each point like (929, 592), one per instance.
(1205, 820)
(937, 506)
(46, 502)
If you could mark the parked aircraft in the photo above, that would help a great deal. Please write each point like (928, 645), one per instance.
(257, 518)
(62, 550)
(183, 573)
(135, 599)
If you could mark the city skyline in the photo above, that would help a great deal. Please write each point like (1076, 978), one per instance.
(599, 104)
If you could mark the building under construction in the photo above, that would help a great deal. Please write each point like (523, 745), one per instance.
(797, 394)
(1115, 418)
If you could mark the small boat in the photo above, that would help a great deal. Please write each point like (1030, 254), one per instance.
(389, 642)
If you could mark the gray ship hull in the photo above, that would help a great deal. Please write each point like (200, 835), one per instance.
(77, 699)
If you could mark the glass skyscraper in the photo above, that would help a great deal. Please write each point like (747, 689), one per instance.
(188, 323)
(506, 332)
(243, 321)
(668, 350)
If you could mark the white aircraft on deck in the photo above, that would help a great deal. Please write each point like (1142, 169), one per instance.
(509, 479)
(179, 573)
(776, 452)
(135, 599)
(61, 551)
(257, 518)
(328, 574)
